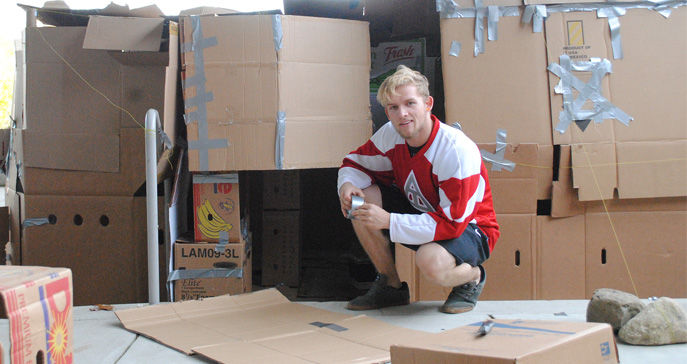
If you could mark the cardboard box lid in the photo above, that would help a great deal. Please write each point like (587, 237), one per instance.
(267, 325)
(512, 341)
(38, 303)
(76, 152)
(123, 33)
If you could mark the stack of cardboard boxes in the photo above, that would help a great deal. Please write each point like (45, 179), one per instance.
(581, 120)
(77, 155)
(218, 261)
(281, 228)
(271, 91)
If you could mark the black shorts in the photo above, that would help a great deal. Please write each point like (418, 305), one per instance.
(471, 247)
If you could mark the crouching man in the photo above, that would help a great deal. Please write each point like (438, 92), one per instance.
(424, 182)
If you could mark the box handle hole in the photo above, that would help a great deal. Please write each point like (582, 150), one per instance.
(104, 220)
(603, 256)
(78, 220)
(517, 258)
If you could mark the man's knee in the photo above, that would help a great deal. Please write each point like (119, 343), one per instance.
(434, 262)
(373, 195)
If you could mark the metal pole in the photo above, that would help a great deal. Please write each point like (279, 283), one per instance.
(152, 119)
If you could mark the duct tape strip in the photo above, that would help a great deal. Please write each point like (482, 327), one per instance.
(493, 22)
(572, 108)
(203, 144)
(223, 241)
(279, 142)
(612, 13)
(37, 221)
(277, 31)
(479, 28)
(536, 15)
(497, 160)
(178, 274)
(455, 49)
(166, 141)
(334, 327)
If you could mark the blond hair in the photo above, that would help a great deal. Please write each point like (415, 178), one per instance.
(403, 76)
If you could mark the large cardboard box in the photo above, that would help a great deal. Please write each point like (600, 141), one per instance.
(38, 303)
(274, 91)
(281, 247)
(264, 327)
(514, 341)
(506, 87)
(216, 207)
(201, 270)
(100, 238)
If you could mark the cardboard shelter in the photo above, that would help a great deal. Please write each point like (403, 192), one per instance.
(38, 303)
(274, 91)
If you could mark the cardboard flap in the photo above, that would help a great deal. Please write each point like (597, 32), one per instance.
(77, 152)
(265, 324)
(122, 33)
(594, 171)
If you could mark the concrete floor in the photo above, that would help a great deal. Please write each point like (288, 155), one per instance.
(100, 338)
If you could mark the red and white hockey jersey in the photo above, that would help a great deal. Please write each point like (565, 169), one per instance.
(446, 181)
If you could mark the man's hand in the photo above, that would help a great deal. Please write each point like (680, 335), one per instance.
(347, 190)
(373, 216)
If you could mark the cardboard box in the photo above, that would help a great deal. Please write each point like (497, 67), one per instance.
(517, 190)
(94, 236)
(265, 327)
(38, 303)
(254, 104)
(514, 341)
(81, 140)
(643, 252)
(510, 268)
(506, 87)
(560, 257)
(228, 271)
(216, 207)
(281, 247)
(281, 190)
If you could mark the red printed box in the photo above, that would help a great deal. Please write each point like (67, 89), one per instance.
(38, 303)
(216, 207)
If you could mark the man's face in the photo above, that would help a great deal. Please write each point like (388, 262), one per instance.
(409, 112)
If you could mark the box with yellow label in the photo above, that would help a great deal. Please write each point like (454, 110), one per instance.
(216, 208)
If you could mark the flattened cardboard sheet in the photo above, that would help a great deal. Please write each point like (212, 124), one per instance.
(264, 325)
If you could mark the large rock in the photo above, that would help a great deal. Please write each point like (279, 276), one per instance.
(613, 307)
(661, 322)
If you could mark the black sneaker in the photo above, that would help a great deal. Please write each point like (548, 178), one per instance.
(464, 298)
(381, 295)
